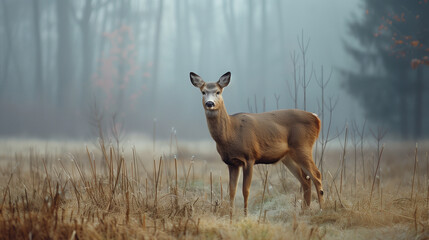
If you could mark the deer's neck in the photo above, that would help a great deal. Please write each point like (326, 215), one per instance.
(220, 125)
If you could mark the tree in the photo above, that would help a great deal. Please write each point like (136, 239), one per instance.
(38, 60)
(64, 55)
(394, 38)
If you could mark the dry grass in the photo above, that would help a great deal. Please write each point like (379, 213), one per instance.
(103, 193)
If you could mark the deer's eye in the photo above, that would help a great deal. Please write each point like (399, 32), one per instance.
(204, 92)
(218, 92)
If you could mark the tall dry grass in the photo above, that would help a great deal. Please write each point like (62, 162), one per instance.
(108, 193)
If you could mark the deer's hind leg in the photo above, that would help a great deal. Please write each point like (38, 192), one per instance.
(303, 157)
(302, 178)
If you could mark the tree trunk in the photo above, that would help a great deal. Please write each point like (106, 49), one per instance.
(38, 59)
(157, 50)
(403, 105)
(250, 61)
(418, 103)
(64, 56)
(6, 57)
(262, 73)
(86, 55)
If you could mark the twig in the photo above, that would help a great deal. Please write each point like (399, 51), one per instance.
(263, 195)
(375, 174)
(414, 172)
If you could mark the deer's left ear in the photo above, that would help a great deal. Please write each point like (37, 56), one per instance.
(196, 80)
(224, 80)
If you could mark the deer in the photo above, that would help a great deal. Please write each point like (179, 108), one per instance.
(245, 139)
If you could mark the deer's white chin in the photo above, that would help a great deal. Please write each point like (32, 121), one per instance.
(211, 112)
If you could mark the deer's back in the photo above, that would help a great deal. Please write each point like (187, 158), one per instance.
(295, 127)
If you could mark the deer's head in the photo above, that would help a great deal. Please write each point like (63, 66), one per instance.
(212, 91)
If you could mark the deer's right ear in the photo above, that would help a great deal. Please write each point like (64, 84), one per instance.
(196, 80)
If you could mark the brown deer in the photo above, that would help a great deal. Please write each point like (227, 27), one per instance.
(246, 139)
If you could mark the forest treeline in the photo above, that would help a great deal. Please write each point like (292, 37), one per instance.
(391, 80)
(64, 62)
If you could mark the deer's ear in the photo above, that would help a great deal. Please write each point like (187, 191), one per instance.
(224, 80)
(196, 80)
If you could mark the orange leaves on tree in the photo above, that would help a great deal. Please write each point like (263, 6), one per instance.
(399, 42)
(399, 19)
(382, 27)
(118, 68)
(416, 62)
(415, 43)
(396, 17)
(366, 12)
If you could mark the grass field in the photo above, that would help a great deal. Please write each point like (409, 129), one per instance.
(65, 190)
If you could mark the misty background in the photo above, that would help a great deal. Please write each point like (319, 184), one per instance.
(66, 64)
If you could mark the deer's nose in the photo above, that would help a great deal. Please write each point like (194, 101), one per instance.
(210, 104)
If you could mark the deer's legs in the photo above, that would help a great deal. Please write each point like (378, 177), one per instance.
(233, 180)
(305, 160)
(301, 176)
(247, 179)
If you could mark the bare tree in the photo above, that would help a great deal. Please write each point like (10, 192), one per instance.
(303, 47)
(232, 32)
(38, 59)
(378, 136)
(294, 94)
(326, 139)
(65, 62)
(157, 47)
(277, 97)
(87, 50)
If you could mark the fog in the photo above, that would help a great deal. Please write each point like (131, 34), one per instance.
(62, 62)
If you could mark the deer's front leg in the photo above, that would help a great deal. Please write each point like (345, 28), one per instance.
(233, 180)
(247, 180)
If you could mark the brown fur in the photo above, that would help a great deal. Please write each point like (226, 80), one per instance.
(246, 139)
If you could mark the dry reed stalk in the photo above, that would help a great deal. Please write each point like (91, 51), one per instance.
(375, 174)
(415, 220)
(265, 215)
(414, 172)
(343, 161)
(136, 167)
(427, 183)
(146, 194)
(127, 213)
(157, 180)
(211, 191)
(48, 178)
(175, 170)
(103, 151)
(176, 187)
(339, 197)
(110, 165)
(5, 192)
(154, 136)
(362, 134)
(187, 177)
(116, 183)
(263, 196)
(221, 188)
